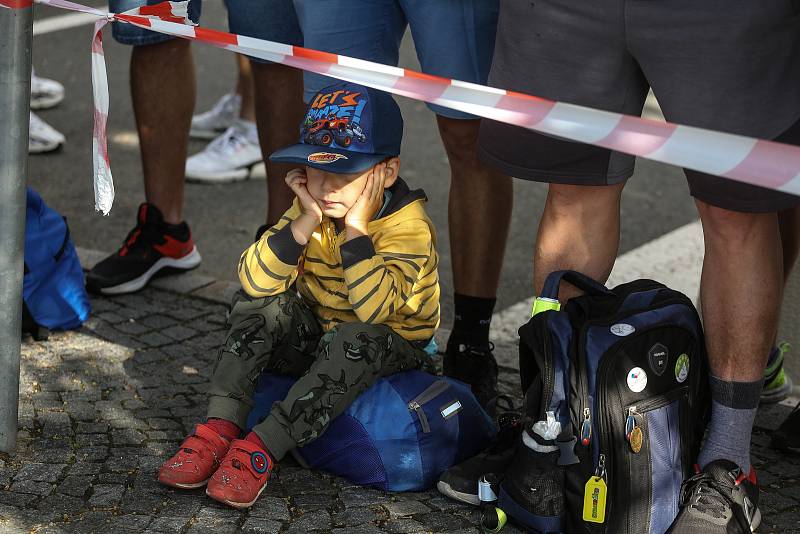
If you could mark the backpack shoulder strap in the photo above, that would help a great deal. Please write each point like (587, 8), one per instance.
(579, 280)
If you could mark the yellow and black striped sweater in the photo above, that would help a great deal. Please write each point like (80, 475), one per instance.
(389, 277)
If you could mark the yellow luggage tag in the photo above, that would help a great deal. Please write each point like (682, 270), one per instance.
(594, 500)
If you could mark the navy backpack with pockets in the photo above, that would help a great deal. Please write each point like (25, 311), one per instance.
(624, 374)
(399, 435)
(54, 293)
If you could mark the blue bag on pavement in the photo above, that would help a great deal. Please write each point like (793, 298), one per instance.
(54, 293)
(399, 435)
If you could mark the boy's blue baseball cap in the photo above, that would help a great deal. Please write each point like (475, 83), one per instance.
(347, 129)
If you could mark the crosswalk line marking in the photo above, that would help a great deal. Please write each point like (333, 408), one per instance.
(674, 259)
(61, 22)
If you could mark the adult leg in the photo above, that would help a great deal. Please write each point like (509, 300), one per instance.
(163, 93)
(163, 96)
(279, 109)
(777, 384)
(271, 96)
(787, 437)
(541, 50)
(579, 230)
(741, 290)
(350, 359)
(245, 88)
(277, 90)
(456, 40)
(477, 193)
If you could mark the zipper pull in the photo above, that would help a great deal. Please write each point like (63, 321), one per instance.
(423, 419)
(586, 427)
(600, 472)
(630, 422)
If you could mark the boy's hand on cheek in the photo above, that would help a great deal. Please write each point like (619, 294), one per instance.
(297, 180)
(367, 205)
(303, 226)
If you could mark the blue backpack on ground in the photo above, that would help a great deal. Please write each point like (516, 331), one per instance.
(617, 386)
(54, 293)
(399, 435)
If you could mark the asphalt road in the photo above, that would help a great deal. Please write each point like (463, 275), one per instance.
(223, 218)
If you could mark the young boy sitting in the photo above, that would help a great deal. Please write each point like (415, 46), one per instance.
(341, 292)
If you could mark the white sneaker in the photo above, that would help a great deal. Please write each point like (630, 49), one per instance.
(45, 93)
(231, 157)
(219, 118)
(42, 137)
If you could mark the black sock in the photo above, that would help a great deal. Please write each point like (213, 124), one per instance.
(178, 231)
(473, 316)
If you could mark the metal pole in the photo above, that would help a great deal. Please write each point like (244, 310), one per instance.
(15, 92)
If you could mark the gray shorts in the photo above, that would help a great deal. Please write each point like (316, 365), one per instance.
(729, 65)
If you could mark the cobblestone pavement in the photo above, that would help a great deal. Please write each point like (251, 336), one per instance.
(102, 407)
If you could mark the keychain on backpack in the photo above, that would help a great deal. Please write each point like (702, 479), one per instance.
(586, 427)
(633, 433)
(594, 494)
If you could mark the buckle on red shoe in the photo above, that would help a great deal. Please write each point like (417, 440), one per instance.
(260, 462)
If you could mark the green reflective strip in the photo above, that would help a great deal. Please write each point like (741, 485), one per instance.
(543, 304)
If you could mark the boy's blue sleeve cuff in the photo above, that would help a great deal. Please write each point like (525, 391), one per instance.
(356, 250)
(285, 246)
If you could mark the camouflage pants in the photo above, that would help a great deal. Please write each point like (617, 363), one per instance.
(280, 334)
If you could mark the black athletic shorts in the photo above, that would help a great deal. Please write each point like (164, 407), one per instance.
(729, 65)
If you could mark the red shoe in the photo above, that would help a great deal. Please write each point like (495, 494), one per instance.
(241, 476)
(199, 456)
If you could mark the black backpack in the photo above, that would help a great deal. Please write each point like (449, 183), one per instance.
(617, 382)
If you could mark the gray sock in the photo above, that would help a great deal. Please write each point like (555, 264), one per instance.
(733, 410)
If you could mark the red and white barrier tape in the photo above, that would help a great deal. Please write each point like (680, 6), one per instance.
(745, 159)
(103, 181)
(16, 4)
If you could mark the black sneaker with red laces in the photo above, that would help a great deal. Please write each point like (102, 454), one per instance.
(152, 247)
(720, 499)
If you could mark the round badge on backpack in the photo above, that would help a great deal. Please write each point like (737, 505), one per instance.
(682, 368)
(637, 379)
(622, 329)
